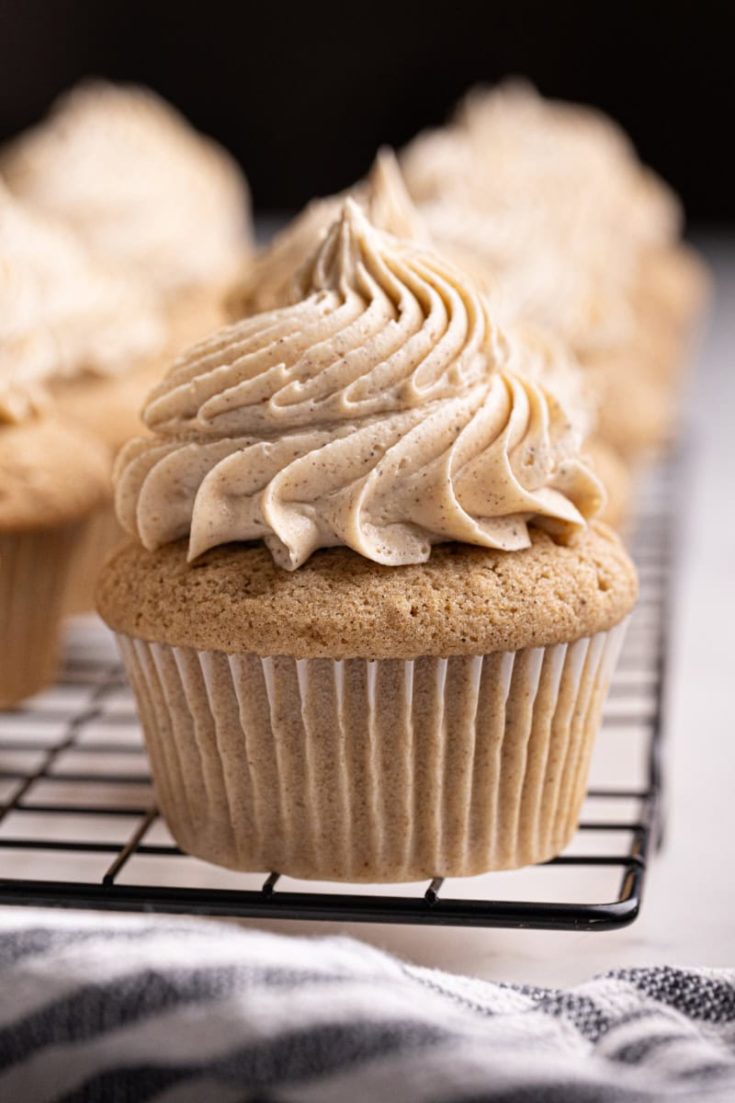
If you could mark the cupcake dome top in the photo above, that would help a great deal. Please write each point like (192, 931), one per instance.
(375, 411)
(62, 313)
(137, 183)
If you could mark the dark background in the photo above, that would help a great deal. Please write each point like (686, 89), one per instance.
(303, 94)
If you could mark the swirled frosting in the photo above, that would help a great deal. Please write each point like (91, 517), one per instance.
(142, 189)
(530, 270)
(541, 355)
(376, 411)
(539, 273)
(268, 282)
(61, 313)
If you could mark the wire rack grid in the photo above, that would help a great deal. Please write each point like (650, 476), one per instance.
(79, 826)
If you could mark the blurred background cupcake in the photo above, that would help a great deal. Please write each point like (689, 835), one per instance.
(55, 475)
(550, 201)
(138, 220)
(144, 191)
(74, 325)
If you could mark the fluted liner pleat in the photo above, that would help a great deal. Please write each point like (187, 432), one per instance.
(34, 576)
(372, 771)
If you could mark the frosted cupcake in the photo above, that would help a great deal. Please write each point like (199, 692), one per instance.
(70, 329)
(552, 201)
(145, 193)
(52, 478)
(368, 622)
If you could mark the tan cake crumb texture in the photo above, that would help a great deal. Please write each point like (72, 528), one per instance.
(466, 600)
(53, 472)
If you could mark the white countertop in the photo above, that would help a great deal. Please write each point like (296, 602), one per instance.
(688, 915)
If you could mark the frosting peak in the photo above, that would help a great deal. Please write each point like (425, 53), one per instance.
(378, 327)
(268, 282)
(385, 198)
(376, 410)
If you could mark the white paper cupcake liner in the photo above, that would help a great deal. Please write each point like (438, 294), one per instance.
(361, 770)
(34, 574)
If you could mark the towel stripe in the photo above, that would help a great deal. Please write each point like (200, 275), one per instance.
(149, 1013)
(307, 1054)
(99, 1008)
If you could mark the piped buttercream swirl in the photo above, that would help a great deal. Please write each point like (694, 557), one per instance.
(268, 281)
(376, 411)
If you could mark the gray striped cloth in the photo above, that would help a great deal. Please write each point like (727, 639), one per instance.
(112, 1009)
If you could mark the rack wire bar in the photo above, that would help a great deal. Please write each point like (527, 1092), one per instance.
(74, 790)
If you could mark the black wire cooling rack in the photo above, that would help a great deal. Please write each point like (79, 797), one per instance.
(79, 827)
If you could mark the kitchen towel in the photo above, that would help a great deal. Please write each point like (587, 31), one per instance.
(114, 1009)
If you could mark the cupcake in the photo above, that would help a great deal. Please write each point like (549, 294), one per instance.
(53, 477)
(72, 327)
(366, 614)
(173, 232)
(145, 193)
